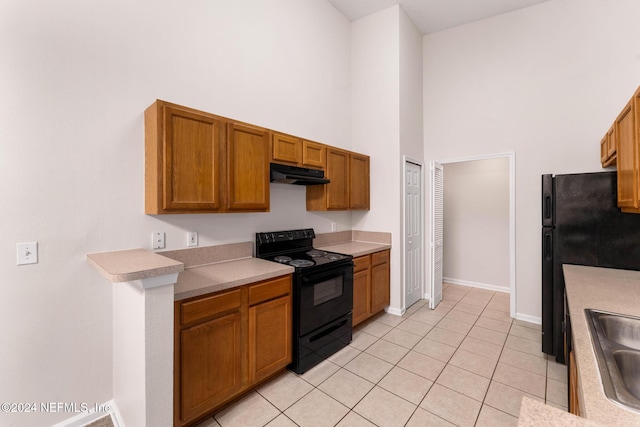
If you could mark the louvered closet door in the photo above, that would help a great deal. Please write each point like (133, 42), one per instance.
(437, 235)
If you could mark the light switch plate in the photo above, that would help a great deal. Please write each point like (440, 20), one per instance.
(27, 253)
(192, 238)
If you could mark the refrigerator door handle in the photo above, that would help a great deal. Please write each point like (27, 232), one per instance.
(547, 207)
(547, 201)
(548, 247)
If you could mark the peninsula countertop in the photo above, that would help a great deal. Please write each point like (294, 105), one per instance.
(605, 289)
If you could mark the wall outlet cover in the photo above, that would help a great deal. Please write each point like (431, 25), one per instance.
(157, 240)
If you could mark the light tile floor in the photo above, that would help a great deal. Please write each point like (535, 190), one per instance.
(466, 363)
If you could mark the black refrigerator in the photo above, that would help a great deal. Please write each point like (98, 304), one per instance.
(581, 224)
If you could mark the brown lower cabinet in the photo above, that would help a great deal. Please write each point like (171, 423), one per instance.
(371, 281)
(228, 342)
(574, 401)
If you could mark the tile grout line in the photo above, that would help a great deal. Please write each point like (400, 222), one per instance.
(410, 349)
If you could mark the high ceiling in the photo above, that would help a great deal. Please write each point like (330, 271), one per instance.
(434, 15)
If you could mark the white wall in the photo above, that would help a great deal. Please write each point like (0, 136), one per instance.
(544, 82)
(476, 223)
(375, 101)
(386, 113)
(75, 79)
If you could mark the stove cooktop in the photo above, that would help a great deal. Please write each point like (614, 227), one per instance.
(308, 258)
(295, 248)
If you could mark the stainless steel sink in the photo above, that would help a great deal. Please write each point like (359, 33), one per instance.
(616, 339)
(620, 329)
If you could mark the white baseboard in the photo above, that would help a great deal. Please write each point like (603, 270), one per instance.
(487, 286)
(395, 311)
(92, 415)
(531, 319)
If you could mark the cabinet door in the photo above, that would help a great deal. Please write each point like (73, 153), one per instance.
(337, 170)
(286, 149)
(269, 337)
(182, 155)
(361, 295)
(625, 131)
(574, 402)
(247, 168)
(380, 282)
(358, 181)
(313, 154)
(210, 363)
(611, 143)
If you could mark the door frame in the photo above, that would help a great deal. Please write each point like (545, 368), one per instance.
(511, 155)
(406, 159)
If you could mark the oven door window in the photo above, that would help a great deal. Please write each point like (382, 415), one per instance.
(323, 297)
(328, 290)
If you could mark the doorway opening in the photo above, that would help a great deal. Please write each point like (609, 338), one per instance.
(475, 222)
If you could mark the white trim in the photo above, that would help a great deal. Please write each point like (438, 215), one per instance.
(476, 285)
(154, 282)
(406, 159)
(511, 155)
(530, 319)
(395, 311)
(474, 158)
(92, 415)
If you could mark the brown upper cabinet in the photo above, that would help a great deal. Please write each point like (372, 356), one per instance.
(247, 168)
(294, 151)
(626, 132)
(196, 162)
(358, 181)
(620, 147)
(608, 151)
(349, 186)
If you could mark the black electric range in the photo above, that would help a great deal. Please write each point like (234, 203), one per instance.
(322, 294)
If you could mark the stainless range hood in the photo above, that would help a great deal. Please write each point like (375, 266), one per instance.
(297, 176)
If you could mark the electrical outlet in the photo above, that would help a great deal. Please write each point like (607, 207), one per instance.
(334, 226)
(27, 253)
(157, 240)
(192, 238)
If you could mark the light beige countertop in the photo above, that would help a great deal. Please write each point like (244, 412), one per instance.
(534, 413)
(353, 242)
(355, 248)
(209, 269)
(133, 264)
(204, 279)
(605, 289)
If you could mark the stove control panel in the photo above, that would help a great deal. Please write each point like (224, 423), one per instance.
(283, 236)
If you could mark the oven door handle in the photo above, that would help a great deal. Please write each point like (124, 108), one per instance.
(321, 277)
(328, 331)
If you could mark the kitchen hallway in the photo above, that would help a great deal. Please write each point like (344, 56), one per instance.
(465, 363)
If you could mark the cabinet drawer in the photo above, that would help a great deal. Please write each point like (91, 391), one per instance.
(201, 309)
(270, 289)
(361, 263)
(379, 257)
